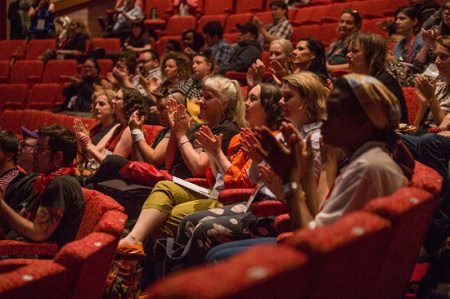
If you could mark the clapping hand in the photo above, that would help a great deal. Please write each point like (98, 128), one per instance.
(249, 144)
(136, 121)
(209, 142)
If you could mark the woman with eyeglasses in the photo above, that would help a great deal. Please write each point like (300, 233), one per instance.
(349, 23)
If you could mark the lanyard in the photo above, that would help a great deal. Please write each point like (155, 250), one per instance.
(410, 49)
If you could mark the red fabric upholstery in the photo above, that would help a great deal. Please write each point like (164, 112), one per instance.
(39, 279)
(249, 6)
(88, 260)
(217, 7)
(346, 255)
(106, 66)
(13, 96)
(230, 196)
(304, 17)
(231, 38)
(371, 25)
(175, 24)
(427, 178)
(26, 71)
(369, 9)
(43, 95)
(409, 210)
(111, 45)
(261, 272)
(269, 208)
(411, 103)
(199, 181)
(163, 7)
(12, 49)
(4, 71)
(160, 45)
(208, 18)
(233, 20)
(37, 47)
(282, 224)
(11, 120)
(59, 71)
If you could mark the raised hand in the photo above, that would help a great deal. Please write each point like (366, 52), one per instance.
(255, 72)
(182, 121)
(136, 121)
(424, 87)
(249, 144)
(78, 126)
(278, 70)
(209, 142)
(271, 180)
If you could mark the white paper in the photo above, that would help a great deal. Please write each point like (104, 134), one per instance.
(193, 187)
(253, 196)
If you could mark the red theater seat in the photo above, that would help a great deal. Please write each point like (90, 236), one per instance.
(106, 66)
(217, 7)
(12, 49)
(411, 103)
(13, 96)
(233, 20)
(43, 95)
(178, 24)
(37, 47)
(249, 6)
(26, 71)
(4, 71)
(59, 71)
(209, 18)
(110, 45)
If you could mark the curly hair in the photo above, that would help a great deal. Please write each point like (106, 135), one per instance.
(183, 64)
(269, 97)
(133, 101)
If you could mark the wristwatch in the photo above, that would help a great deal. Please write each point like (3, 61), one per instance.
(291, 187)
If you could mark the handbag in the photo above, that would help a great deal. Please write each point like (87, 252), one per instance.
(169, 256)
(143, 173)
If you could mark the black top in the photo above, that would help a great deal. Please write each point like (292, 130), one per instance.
(243, 56)
(98, 132)
(76, 42)
(392, 84)
(63, 192)
(228, 129)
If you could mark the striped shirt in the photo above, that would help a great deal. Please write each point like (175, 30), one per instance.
(6, 178)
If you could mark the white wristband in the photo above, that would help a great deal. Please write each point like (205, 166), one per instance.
(137, 135)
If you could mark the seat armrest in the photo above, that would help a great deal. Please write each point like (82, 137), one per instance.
(20, 248)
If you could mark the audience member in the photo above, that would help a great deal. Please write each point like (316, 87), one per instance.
(78, 95)
(279, 29)
(222, 108)
(309, 55)
(42, 16)
(9, 150)
(125, 16)
(246, 51)
(176, 68)
(138, 40)
(357, 101)
(193, 42)
(349, 22)
(185, 7)
(25, 160)
(16, 11)
(367, 55)
(220, 49)
(148, 72)
(50, 206)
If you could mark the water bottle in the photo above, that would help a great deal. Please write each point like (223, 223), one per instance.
(153, 14)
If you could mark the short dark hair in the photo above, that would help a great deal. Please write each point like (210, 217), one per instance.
(130, 60)
(278, 4)
(9, 143)
(269, 97)
(318, 64)
(355, 14)
(133, 101)
(95, 62)
(213, 28)
(199, 40)
(61, 139)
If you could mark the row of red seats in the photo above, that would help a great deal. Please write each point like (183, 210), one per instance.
(55, 71)
(78, 269)
(372, 252)
(21, 49)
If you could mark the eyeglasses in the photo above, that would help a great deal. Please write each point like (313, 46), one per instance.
(38, 149)
(25, 145)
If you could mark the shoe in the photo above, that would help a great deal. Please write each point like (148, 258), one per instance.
(133, 251)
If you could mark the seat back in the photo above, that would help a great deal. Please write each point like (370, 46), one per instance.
(209, 18)
(346, 255)
(425, 177)
(97, 209)
(59, 71)
(177, 23)
(162, 8)
(88, 261)
(12, 49)
(409, 210)
(26, 71)
(37, 47)
(235, 19)
(110, 45)
(43, 95)
(106, 66)
(4, 71)
(217, 7)
(261, 272)
(11, 120)
(411, 103)
(249, 6)
(20, 278)
(13, 96)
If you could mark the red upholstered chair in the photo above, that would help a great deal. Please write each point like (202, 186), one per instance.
(249, 6)
(59, 71)
(79, 270)
(391, 6)
(106, 66)
(208, 18)
(409, 210)
(43, 95)
(426, 178)
(177, 24)
(345, 256)
(161, 43)
(37, 47)
(26, 71)
(371, 26)
(304, 17)
(13, 96)
(102, 214)
(163, 10)
(235, 19)
(217, 7)
(370, 9)
(11, 120)
(4, 71)
(12, 49)
(261, 272)
(111, 45)
(21, 278)
(411, 103)
(231, 38)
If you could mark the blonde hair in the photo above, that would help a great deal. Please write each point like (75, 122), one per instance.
(108, 93)
(312, 90)
(445, 42)
(229, 93)
(285, 44)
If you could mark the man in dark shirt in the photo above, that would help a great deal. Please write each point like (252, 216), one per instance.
(49, 206)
